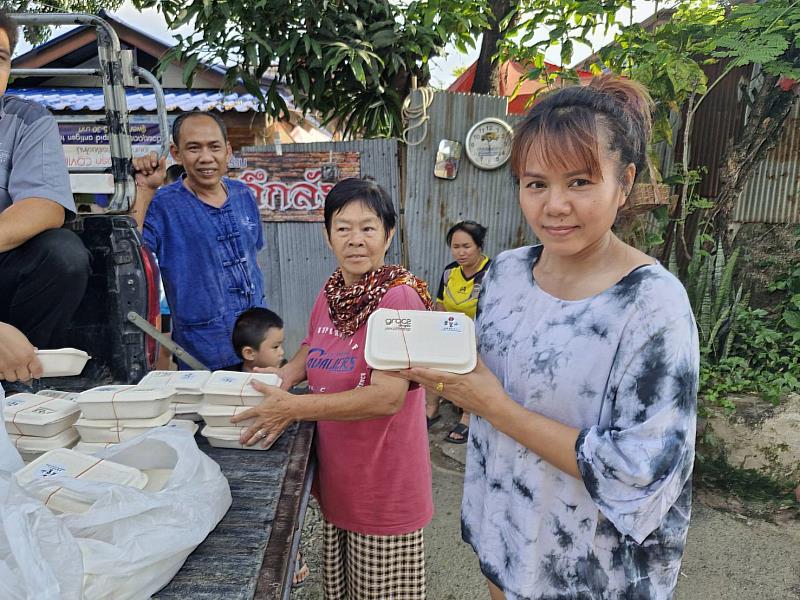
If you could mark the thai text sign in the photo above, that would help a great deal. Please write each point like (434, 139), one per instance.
(290, 187)
(87, 146)
(75, 133)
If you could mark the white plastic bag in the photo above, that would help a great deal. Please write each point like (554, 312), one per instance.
(129, 544)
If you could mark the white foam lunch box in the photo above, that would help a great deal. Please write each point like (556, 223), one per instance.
(190, 412)
(189, 426)
(32, 447)
(57, 394)
(124, 402)
(228, 437)
(121, 430)
(32, 415)
(92, 447)
(155, 379)
(188, 385)
(69, 463)
(63, 362)
(218, 415)
(232, 388)
(401, 339)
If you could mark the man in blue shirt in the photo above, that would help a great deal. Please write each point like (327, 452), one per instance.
(206, 232)
(43, 269)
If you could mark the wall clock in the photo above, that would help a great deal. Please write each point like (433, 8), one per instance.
(489, 143)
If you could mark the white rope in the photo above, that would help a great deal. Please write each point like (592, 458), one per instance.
(416, 115)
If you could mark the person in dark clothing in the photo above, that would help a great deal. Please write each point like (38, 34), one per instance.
(44, 269)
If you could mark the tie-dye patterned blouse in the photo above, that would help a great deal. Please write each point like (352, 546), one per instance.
(621, 366)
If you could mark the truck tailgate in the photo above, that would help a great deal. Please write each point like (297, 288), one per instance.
(250, 554)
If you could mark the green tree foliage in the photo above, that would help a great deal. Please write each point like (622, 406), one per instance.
(668, 56)
(351, 61)
(539, 25)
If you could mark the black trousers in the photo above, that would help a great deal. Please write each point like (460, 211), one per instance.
(42, 283)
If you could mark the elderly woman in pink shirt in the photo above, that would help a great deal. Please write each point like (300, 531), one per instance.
(374, 474)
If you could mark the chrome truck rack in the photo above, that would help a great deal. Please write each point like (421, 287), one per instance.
(116, 72)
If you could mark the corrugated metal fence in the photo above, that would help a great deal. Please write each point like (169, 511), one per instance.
(772, 194)
(433, 205)
(295, 260)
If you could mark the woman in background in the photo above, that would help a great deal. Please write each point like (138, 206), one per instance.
(459, 289)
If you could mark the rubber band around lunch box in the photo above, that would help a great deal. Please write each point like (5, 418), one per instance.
(405, 343)
(59, 488)
(23, 409)
(116, 416)
(241, 391)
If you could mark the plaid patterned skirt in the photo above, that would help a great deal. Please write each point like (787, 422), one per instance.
(372, 567)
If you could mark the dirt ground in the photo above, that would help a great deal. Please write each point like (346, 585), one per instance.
(728, 556)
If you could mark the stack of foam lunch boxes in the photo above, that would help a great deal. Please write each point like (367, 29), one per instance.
(187, 387)
(226, 394)
(37, 423)
(111, 414)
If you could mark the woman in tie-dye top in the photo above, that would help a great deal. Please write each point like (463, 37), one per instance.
(578, 480)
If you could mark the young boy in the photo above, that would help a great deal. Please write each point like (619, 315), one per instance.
(258, 339)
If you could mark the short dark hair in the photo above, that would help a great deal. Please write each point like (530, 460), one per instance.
(475, 230)
(178, 123)
(252, 326)
(355, 189)
(174, 172)
(10, 26)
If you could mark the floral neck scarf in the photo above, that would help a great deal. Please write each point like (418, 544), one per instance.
(350, 306)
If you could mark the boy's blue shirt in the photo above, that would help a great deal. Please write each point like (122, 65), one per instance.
(209, 266)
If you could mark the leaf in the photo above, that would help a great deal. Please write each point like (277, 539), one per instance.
(305, 81)
(358, 70)
(383, 38)
(566, 52)
(189, 69)
(792, 318)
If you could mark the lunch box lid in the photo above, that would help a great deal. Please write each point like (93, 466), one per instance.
(120, 424)
(235, 383)
(31, 444)
(221, 410)
(228, 434)
(183, 381)
(400, 339)
(32, 409)
(123, 393)
(77, 465)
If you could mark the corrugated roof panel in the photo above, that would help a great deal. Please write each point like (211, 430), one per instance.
(78, 99)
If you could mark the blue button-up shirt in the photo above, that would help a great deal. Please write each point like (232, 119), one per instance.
(208, 261)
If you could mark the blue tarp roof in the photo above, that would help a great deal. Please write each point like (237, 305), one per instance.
(80, 99)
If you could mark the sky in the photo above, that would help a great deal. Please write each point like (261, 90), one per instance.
(442, 69)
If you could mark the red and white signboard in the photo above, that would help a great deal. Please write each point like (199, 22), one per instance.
(290, 187)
